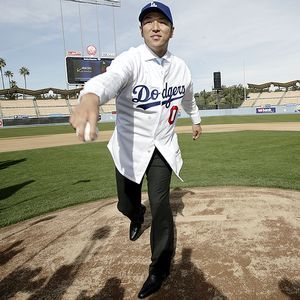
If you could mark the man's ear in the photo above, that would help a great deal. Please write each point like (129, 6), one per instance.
(172, 32)
(141, 29)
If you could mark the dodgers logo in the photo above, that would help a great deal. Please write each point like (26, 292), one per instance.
(148, 97)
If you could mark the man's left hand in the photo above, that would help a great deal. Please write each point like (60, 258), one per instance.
(197, 131)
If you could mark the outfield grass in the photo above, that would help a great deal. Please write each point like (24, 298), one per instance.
(58, 129)
(35, 182)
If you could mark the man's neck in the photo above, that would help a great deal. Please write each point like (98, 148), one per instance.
(158, 53)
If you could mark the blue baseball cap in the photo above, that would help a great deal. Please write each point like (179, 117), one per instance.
(156, 6)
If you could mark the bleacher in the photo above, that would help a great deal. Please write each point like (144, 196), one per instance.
(291, 97)
(13, 108)
(109, 107)
(252, 97)
(264, 99)
(269, 98)
(73, 103)
(46, 108)
(273, 94)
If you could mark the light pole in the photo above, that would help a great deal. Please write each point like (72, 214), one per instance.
(80, 23)
(63, 33)
(62, 27)
(98, 32)
(114, 23)
(245, 92)
(112, 3)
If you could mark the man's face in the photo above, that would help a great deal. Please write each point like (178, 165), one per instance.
(156, 30)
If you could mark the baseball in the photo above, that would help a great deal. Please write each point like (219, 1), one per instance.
(87, 132)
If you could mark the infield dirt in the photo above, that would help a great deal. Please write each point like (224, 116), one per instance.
(34, 142)
(231, 243)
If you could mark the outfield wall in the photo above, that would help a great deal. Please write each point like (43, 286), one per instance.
(109, 117)
(246, 111)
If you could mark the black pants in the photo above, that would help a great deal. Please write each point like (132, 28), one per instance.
(158, 176)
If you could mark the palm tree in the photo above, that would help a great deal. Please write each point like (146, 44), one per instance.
(10, 75)
(2, 65)
(24, 72)
(13, 84)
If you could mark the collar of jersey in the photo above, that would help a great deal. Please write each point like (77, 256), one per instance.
(148, 54)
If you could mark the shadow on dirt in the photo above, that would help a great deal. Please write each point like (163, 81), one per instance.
(290, 288)
(22, 279)
(28, 226)
(101, 233)
(112, 290)
(63, 278)
(176, 203)
(43, 220)
(10, 252)
(188, 282)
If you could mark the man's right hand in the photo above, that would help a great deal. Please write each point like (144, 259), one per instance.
(86, 111)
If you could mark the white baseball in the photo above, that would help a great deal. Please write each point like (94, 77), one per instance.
(87, 132)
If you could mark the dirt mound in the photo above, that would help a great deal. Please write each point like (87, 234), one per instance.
(231, 243)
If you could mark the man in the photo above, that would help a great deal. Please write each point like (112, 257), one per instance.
(149, 84)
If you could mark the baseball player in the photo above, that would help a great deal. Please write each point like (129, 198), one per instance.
(149, 84)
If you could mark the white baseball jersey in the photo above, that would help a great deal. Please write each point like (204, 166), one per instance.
(148, 93)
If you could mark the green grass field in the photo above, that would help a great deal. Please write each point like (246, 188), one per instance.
(58, 129)
(34, 182)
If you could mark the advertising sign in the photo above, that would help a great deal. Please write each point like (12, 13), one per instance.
(91, 50)
(74, 53)
(265, 110)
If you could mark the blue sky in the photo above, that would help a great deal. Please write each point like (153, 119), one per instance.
(258, 39)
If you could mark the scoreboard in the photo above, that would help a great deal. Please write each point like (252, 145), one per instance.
(80, 69)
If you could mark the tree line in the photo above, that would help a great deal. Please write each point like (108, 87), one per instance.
(9, 74)
(227, 97)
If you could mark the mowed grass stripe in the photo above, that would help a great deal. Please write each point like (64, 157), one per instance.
(34, 182)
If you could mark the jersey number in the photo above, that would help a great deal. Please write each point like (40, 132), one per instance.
(173, 113)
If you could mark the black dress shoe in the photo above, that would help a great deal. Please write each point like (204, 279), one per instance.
(151, 285)
(135, 227)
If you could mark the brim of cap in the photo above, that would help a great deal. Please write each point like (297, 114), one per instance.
(150, 9)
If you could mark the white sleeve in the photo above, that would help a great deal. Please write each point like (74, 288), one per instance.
(189, 104)
(107, 85)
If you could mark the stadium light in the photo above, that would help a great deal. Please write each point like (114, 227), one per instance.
(114, 3)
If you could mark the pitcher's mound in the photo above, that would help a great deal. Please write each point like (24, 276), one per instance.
(231, 243)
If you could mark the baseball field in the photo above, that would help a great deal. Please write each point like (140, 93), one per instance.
(236, 215)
